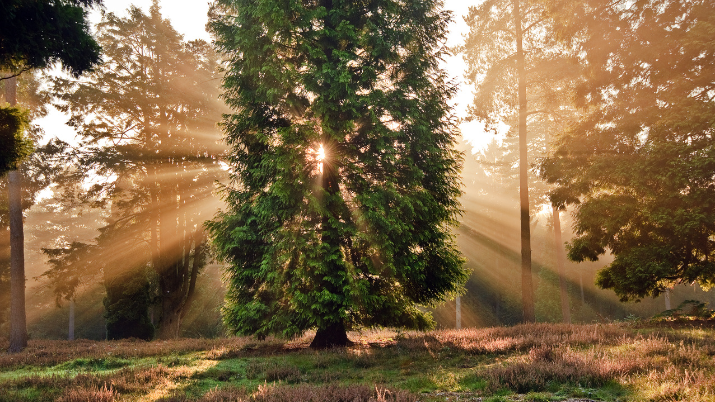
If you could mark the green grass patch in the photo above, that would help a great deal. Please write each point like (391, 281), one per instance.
(525, 363)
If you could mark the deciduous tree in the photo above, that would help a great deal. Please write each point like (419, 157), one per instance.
(640, 163)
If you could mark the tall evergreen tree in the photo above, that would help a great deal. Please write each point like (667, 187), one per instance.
(640, 163)
(345, 176)
(147, 117)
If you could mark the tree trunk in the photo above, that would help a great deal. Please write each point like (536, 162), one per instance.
(18, 326)
(170, 320)
(70, 331)
(559, 255)
(334, 335)
(527, 291)
(458, 308)
(666, 294)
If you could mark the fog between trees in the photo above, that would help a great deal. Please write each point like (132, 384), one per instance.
(618, 134)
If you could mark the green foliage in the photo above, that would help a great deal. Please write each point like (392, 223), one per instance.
(548, 306)
(14, 121)
(36, 34)
(128, 299)
(362, 237)
(640, 162)
(688, 310)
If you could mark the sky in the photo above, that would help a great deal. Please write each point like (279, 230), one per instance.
(189, 18)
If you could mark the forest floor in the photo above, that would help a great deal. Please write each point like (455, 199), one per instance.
(537, 362)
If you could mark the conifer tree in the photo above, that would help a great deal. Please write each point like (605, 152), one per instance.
(147, 120)
(345, 176)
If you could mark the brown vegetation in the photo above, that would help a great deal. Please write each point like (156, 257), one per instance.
(643, 362)
(51, 352)
(303, 393)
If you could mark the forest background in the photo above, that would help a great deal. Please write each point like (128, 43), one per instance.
(488, 237)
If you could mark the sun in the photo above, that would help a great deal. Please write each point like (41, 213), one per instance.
(320, 156)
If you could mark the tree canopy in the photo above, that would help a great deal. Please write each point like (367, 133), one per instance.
(16, 146)
(344, 174)
(640, 162)
(36, 34)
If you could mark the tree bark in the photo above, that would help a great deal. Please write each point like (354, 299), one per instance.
(18, 325)
(334, 335)
(559, 255)
(666, 295)
(458, 308)
(70, 331)
(170, 320)
(527, 291)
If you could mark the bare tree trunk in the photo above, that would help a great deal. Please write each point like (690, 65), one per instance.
(458, 303)
(559, 250)
(18, 325)
(667, 299)
(70, 332)
(527, 291)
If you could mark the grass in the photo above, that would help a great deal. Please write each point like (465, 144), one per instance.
(537, 362)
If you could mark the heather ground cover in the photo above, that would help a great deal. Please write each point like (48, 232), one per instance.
(538, 362)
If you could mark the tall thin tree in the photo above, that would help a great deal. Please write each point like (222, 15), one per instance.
(34, 35)
(520, 75)
(18, 325)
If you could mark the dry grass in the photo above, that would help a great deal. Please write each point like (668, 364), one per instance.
(646, 363)
(52, 352)
(302, 393)
(104, 394)
(501, 340)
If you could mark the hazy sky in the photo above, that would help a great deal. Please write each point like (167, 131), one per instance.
(189, 18)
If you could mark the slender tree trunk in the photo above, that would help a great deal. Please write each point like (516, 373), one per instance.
(155, 213)
(527, 291)
(458, 304)
(170, 321)
(70, 332)
(667, 299)
(18, 325)
(559, 255)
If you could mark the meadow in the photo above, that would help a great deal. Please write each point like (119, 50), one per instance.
(534, 362)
